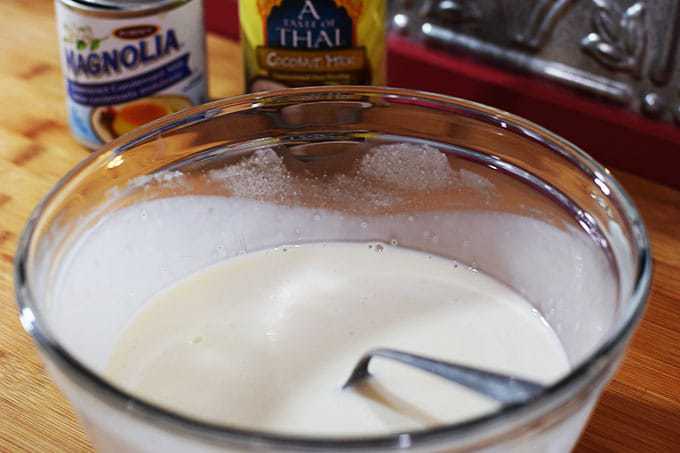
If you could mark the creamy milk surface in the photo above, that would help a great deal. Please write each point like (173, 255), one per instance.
(265, 340)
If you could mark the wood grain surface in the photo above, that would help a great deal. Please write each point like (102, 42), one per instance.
(639, 411)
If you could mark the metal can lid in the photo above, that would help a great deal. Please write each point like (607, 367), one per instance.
(121, 5)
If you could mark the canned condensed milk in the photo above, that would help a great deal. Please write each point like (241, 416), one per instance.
(127, 62)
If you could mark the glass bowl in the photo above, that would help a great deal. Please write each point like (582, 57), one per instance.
(497, 192)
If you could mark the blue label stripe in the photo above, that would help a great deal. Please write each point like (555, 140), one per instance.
(139, 86)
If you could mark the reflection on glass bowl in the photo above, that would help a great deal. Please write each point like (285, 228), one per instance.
(110, 122)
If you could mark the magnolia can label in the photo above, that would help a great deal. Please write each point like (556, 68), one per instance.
(126, 63)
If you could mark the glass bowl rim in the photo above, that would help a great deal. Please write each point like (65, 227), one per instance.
(579, 378)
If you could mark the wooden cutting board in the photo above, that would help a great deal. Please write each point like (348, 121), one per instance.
(639, 411)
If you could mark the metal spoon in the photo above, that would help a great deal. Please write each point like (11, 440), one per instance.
(500, 387)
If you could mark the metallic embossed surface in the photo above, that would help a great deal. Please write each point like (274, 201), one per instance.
(622, 51)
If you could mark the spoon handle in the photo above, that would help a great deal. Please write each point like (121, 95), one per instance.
(503, 388)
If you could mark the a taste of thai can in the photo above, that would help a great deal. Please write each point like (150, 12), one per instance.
(127, 62)
(312, 42)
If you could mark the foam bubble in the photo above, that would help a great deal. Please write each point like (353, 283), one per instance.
(475, 181)
(168, 179)
(381, 176)
(409, 167)
(261, 175)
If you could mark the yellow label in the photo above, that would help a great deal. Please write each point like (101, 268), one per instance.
(312, 42)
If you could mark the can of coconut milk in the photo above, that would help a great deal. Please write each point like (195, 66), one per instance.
(127, 62)
(292, 43)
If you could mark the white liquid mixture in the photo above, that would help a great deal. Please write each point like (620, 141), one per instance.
(266, 339)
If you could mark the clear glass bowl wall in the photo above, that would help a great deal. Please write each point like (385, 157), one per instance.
(522, 205)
